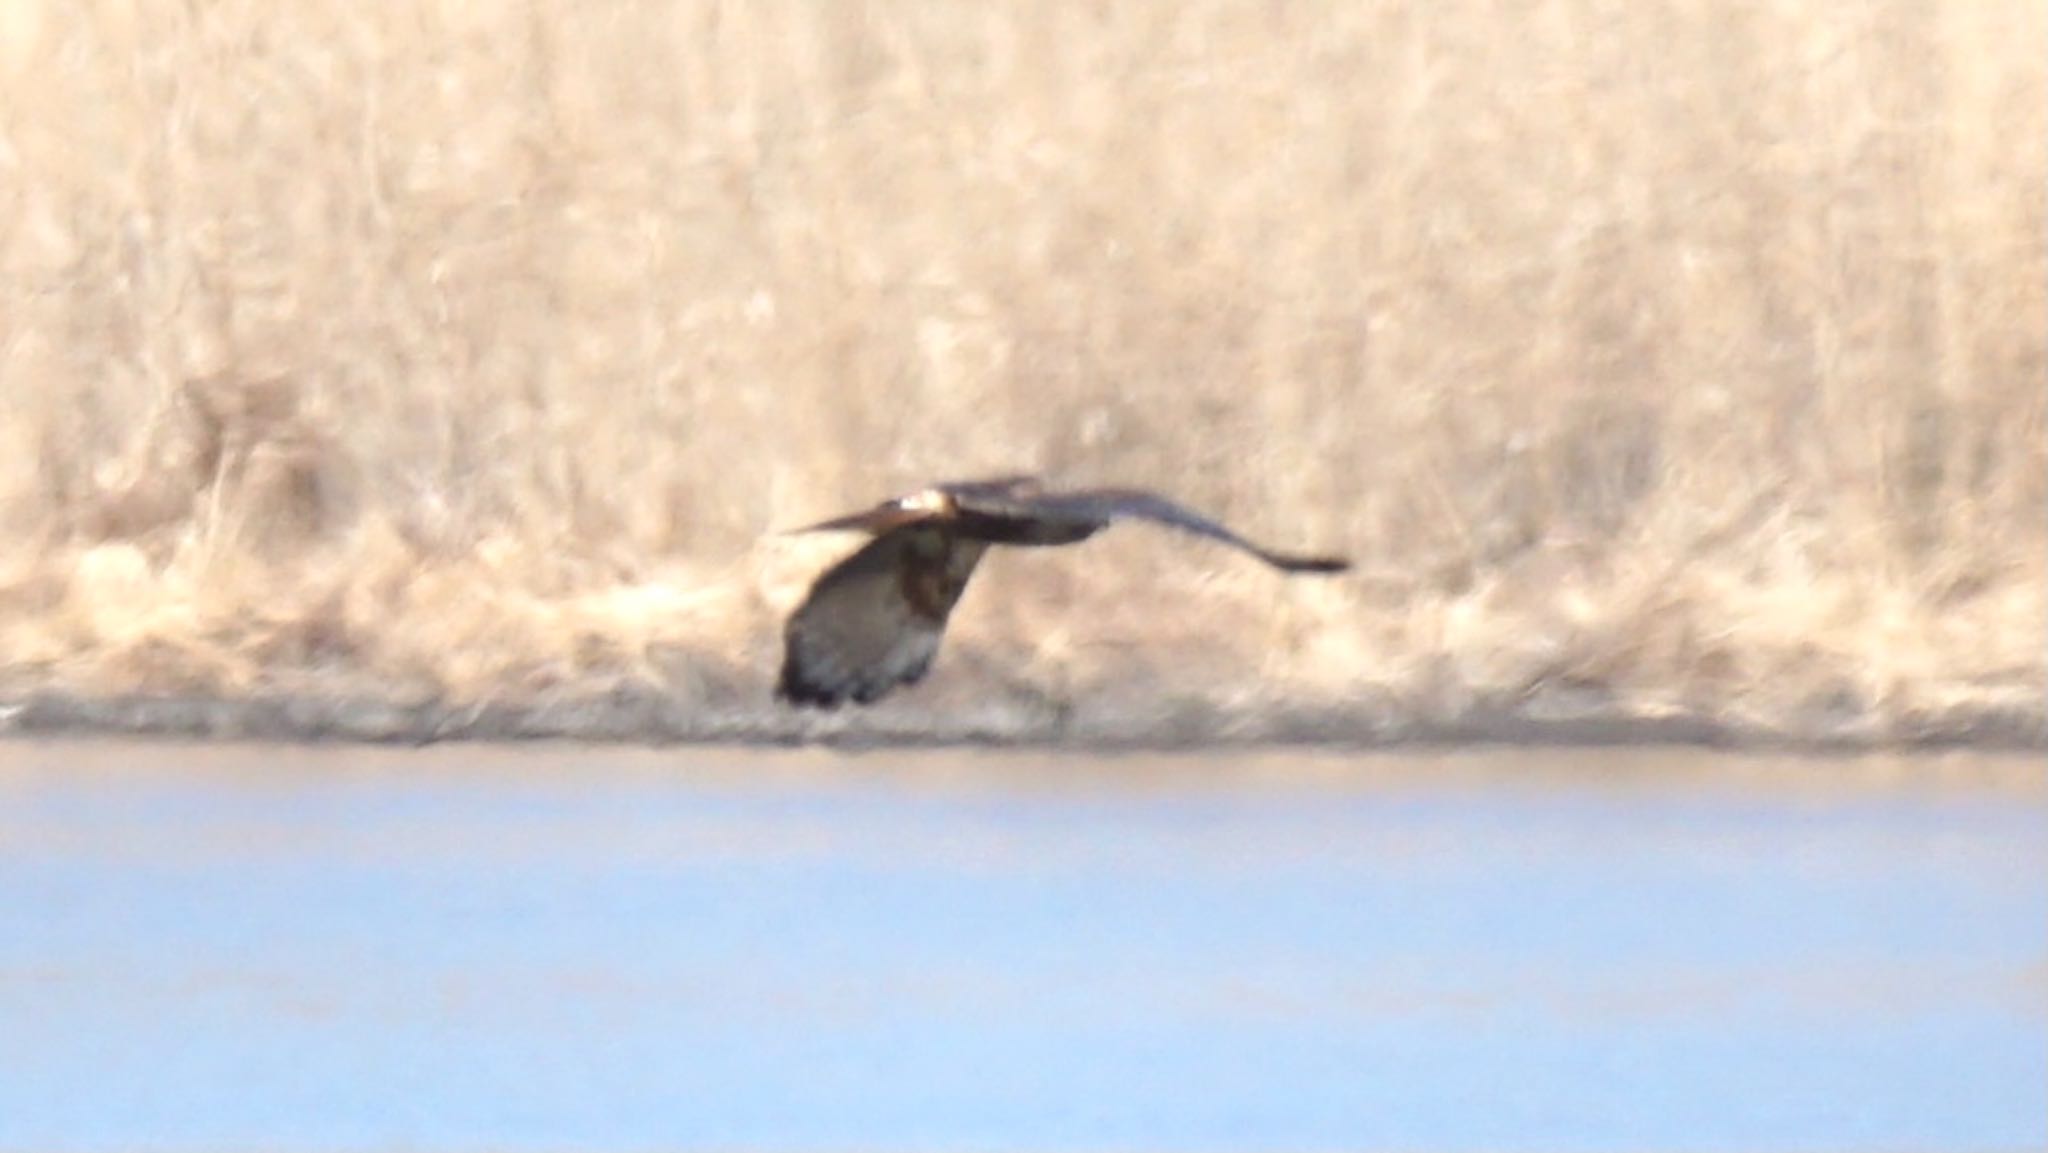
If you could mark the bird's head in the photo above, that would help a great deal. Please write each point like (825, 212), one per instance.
(932, 500)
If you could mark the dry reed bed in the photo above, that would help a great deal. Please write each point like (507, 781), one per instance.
(1676, 359)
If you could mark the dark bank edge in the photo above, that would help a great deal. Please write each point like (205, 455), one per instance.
(631, 718)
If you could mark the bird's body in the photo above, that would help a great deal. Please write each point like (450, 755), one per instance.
(873, 621)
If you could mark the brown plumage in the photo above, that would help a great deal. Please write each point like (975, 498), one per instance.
(874, 620)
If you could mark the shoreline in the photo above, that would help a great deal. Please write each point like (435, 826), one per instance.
(649, 719)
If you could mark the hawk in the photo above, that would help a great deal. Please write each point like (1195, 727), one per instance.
(873, 621)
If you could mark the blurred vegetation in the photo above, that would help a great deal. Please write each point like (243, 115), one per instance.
(1664, 358)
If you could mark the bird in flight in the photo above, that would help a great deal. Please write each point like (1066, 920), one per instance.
(873, 621)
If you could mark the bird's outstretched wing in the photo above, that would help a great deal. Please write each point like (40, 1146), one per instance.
(1103, 505)
(874, 620)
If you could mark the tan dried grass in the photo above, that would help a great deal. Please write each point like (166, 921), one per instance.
(1679, 355)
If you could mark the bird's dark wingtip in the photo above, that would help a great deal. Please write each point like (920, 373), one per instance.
(792, 688)
(1324, 565)
(870, 521)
